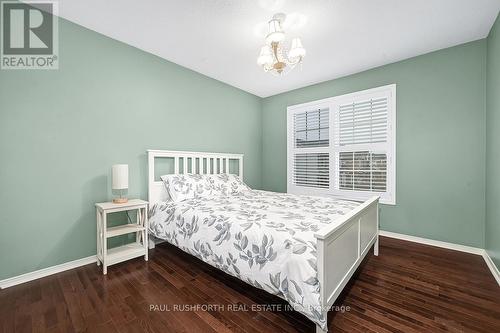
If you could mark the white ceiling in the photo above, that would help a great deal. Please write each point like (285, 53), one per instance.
(221, 38)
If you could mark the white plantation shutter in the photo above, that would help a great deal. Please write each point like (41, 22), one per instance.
(311, 170)
(362, 171)
(344, 145)
(361, 144)
(310, 157)
(363, 122)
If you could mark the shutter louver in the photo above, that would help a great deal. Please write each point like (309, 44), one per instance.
(362, 122)
(362, 171)
(312, 170)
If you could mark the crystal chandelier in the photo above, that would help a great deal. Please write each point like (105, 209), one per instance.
(274, 57)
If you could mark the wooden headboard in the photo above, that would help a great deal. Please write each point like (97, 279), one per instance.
(188, 162)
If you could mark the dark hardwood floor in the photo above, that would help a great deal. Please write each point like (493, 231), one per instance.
(408, 288)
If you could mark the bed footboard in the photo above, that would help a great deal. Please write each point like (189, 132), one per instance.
(342, 246)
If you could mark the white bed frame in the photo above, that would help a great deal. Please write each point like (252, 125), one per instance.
(341, 246)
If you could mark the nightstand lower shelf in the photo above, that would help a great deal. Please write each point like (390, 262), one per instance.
(124, 252)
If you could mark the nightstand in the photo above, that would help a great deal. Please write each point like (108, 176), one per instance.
(118, 254)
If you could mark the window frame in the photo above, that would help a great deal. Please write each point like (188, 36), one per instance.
(389, 147)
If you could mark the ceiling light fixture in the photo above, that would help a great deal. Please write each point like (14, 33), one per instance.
(274, 57)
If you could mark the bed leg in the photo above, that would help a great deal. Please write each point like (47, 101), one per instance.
(151, 243)
(320, 330)
(375, 247)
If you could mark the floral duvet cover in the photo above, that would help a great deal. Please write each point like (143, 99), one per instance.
(263, 238)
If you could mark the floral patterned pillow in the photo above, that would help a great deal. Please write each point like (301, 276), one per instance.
(227, 184)
(181, 187)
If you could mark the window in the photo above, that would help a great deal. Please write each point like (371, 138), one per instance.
(344, 146)
(311, 128)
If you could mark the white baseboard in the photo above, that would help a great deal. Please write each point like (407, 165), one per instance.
(426, 241)
(46, 272)
(491, 265)
(451, 246)
(92, 259)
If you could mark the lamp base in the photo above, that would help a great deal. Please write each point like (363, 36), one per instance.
(120, 200)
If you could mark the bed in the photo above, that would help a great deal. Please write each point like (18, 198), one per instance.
(303, 249)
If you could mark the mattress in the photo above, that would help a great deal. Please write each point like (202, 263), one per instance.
(263, 238)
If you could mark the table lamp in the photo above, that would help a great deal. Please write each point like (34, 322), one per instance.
(120, 181)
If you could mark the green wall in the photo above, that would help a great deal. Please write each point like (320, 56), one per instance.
(61, 130)
(493, 145)
(440, 141)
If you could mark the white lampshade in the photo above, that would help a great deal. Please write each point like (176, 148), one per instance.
(265, 56)
(276, 34)
(120, 176)
(297, 50)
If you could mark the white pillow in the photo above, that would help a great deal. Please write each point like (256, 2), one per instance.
(181, 187)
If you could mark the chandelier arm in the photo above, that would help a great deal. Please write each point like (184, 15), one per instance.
(293, 63)
(274, 46)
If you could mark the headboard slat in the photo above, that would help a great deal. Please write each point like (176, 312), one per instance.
(184, 165)
(176, 164)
